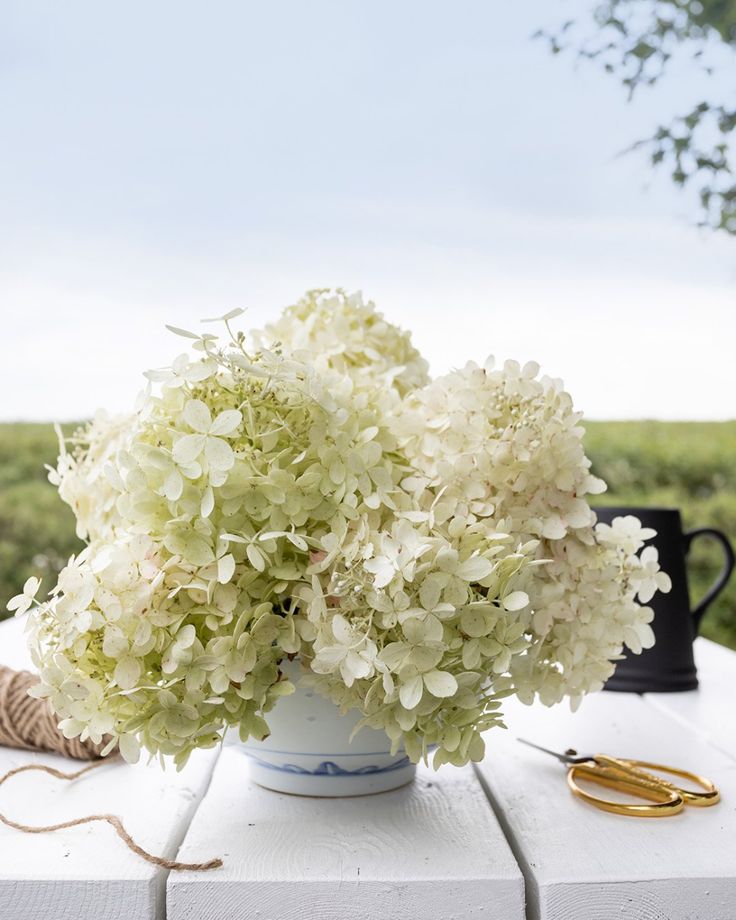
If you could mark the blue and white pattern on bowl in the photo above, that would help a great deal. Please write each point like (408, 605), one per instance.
(309, 751)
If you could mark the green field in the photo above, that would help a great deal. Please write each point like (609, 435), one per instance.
(677, 464)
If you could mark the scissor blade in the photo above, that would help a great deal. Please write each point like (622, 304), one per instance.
(563, 758)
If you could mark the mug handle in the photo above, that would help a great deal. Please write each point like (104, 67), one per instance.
(725, 574)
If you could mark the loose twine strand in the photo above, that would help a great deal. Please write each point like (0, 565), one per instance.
(30, 724)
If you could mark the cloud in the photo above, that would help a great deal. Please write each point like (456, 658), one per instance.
(617, 309)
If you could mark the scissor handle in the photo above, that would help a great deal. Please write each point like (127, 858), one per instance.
(632, 776)
(665, 801)
(702, 798)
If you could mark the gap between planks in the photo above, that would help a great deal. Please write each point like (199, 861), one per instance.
(577, 860)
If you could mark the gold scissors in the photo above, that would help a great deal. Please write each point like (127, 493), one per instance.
(632, 776)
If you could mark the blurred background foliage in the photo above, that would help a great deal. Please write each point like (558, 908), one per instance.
(637, 42)
(690, 465)
(36, 528)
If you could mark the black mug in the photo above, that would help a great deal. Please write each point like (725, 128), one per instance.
(669, 665)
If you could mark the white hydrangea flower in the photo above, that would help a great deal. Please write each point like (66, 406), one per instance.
(22, 602)
(625, 532)
(410, 618)
(648, 577)
(226, 480)
(182, 371)
(86, 476)
(353, 653)
(426, 548)
(338, 331)
(209, 438)
(504, 448)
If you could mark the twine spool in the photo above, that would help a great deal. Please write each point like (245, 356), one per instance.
(30, 724)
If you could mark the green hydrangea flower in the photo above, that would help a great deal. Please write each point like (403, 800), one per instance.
(425, 548)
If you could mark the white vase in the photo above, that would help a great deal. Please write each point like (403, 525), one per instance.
(309, 751)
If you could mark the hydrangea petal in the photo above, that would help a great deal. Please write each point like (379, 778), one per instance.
(227, 422)
(198, 416)
(219, 454)
(188, 448)
(440, 683)
(516, 600)
(474, 569)
(410, 693)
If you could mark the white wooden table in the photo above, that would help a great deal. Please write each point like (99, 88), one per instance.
(505, 842)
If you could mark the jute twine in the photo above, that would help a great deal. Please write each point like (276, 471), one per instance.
(30, 724)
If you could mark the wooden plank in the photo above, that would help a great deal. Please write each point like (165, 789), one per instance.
(709, 709)
(431, 849)
(581, 863)
(86, 873)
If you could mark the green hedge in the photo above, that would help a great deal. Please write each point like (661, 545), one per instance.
(680, 464)
(36, 528)
(686, 465)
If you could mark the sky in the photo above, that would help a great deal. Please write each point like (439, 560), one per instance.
(166, 162)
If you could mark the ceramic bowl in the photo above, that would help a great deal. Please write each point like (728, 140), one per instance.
(309, 751)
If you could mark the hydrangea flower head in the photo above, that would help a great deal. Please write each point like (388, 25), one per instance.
(424, 548)
(340, 331)
(505, 447)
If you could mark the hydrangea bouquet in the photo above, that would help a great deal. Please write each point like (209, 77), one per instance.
(425, 547)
